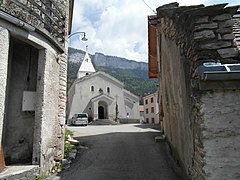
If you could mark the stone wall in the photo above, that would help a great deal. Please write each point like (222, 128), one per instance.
(4, 44)
(236, 28)
(62, 100)
(220, 133)
(49, 17)
(176, 102)
(128, 121)
(199, 125)
(52, 109)
(47, 132)
(50, 122)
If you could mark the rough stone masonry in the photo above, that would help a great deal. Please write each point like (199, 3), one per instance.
(201, 118)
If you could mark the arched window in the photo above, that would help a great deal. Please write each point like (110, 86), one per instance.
(108, 89)
(92, 88)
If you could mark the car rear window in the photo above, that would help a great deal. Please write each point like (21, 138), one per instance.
(81, 115)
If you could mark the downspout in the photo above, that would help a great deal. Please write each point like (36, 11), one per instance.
(16, 21)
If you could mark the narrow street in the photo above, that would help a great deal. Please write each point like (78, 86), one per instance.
(120, 152)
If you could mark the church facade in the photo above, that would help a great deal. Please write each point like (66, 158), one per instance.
(100, 95)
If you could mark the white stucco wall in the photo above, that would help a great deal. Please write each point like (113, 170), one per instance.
(221, 134)
(131, 105)
(155, 105)
(50, 124)
(81, 95)
(4, 44)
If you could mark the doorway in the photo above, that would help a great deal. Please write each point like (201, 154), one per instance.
(102, 110)
(18, 127)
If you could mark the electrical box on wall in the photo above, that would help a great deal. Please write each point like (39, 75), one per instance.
(28, 103)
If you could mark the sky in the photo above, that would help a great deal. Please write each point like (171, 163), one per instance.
(119, 27)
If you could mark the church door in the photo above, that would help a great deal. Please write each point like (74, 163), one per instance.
(101, 112)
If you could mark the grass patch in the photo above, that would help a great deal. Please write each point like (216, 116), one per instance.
(68, 133)
(57, 167)
(40, 178)
(67, 146)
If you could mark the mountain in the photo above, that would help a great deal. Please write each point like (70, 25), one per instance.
(99, 59)
(102, 60)
(133, 74)
(76, 55)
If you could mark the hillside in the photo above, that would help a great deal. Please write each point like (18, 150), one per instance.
(133, 74)
(102, 60)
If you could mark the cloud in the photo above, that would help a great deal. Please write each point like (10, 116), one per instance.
(117, 27)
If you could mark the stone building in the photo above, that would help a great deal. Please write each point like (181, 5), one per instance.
(33, 65)
(100, 95)
(151, 108)
(194, 50)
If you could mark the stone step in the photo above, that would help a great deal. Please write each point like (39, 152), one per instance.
(20, 172)
(103, 122)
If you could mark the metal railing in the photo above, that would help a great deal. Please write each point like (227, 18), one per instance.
(48, 16)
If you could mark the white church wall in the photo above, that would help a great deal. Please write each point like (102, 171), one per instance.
(83, 95)
(97, 89)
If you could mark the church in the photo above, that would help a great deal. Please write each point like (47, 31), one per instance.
(100, 95)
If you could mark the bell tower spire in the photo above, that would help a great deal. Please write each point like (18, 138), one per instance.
(86, 67)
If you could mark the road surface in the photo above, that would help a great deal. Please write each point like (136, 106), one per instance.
(120, 152)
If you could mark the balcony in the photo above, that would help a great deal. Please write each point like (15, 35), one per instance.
(47, 16)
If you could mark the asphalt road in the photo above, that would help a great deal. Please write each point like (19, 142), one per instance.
(120, 152)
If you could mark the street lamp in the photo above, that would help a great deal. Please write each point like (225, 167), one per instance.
(83, 38)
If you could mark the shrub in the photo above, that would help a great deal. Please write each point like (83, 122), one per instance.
(68, 133)
(67, 145)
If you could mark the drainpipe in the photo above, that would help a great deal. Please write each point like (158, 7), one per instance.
(16, 21)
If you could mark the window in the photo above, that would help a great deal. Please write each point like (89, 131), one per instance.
(152, 120)
(147, 120)
(152, 100)
(146, 101)
(89, 108)
(108, 89)
(86, 74)
(146, 111)
(152, 109)
(92, 88)
(82, 115)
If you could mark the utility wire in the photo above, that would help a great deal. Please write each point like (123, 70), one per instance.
(149, 7)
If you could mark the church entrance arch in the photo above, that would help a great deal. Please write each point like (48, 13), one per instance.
(102, 110)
